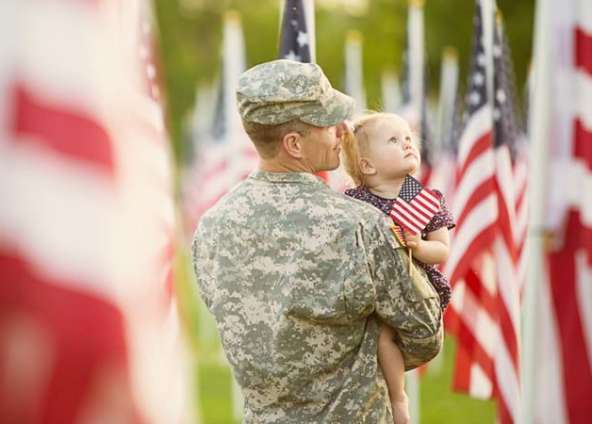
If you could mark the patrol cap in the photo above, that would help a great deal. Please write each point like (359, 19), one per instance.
(279, 91)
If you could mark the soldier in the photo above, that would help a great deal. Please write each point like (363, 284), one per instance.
(299, 277)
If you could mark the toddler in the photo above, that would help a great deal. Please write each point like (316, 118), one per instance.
(379, 153)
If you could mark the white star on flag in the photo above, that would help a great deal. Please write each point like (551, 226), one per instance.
(302, 39)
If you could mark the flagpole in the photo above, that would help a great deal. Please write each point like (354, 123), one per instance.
(354, 79)
(391, 92)
(538, 129)
(415, 35)
(416, 51)
(448, 89)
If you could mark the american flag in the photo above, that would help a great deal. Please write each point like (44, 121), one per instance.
(415, 206)
(472, 315)
(559, 381)
(82, 244)
(295, 41)
(507, 136)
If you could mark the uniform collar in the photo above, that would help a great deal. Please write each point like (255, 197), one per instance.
(286, 177)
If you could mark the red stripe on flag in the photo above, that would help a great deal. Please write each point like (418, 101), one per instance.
(583, 50)
(479, 244)
(504, 415)
(87, 336)
(471, 353)
(480, 146)
(508, 332)
(461, 380)
(577, 370)
(429, 206)
(64, 130)
(582, 142)
(482, 191)
(487, 301)
(418, 217)
(403, 221)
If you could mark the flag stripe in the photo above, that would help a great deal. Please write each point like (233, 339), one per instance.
(582, 142)
(65, 131)
(583, 50)
(418, 218)
(479, 193)
(577, 370)
(471, 239)
(408, 225)
(427, 205)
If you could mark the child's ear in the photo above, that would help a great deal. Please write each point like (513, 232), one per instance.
(366, 167)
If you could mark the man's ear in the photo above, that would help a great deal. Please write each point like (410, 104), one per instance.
(366, 167)
(292, 144)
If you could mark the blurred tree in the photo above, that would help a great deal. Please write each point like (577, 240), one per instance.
(191, 32)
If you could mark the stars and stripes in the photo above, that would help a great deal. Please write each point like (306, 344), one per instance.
(415, 206)
(294, 38)
(472, 315)
(506, 139)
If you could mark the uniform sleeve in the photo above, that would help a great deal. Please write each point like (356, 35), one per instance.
(203, 252)
(407, 302)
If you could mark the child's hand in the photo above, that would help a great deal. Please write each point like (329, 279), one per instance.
(413, 241)
(401, 410)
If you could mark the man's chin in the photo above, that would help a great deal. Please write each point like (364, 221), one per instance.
(329, 167)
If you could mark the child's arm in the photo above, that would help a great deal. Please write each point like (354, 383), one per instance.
(432, 251)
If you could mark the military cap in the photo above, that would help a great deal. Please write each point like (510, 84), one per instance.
(279, 91)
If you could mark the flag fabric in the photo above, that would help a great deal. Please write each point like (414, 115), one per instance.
(485, 259)
(84, 248)
(559, 381)
(415, 206)
(472, 315)
(295, 40)
(508, 288)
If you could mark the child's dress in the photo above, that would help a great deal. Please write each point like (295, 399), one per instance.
(443, 218)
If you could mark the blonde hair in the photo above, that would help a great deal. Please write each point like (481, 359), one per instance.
(357, 141)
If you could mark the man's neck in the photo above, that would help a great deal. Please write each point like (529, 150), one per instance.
(282, 166)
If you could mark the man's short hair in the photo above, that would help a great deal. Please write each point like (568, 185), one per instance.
(267, 138)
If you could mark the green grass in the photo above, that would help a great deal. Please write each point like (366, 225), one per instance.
(440, 404)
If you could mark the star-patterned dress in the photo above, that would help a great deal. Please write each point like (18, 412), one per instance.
(442, 219)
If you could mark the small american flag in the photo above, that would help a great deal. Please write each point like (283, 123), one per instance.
(415, 206)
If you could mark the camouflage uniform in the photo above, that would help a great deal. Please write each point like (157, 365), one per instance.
(298, 277)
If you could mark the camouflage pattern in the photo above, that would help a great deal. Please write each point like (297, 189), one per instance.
(279, 91)
(298, 278)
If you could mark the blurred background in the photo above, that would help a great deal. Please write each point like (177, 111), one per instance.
(119, 129)
(192, 31)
